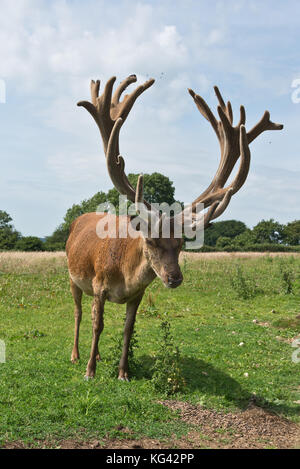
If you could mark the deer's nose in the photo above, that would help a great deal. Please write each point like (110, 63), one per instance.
(174, 282)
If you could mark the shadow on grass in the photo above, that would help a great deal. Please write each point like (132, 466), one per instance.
(204, 377)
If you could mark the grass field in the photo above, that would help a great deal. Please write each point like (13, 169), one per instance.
(234, 320)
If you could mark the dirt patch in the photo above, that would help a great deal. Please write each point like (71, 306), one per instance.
(255, 428)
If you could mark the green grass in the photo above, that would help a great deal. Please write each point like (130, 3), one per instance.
(44, 397)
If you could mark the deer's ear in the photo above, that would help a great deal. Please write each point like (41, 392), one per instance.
(139, 225)
(135, 225)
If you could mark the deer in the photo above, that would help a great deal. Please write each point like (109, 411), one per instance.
(119, 269)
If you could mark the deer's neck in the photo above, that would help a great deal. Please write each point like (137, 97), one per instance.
(139, 264)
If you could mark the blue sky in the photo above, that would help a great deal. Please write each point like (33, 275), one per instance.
(51, 154)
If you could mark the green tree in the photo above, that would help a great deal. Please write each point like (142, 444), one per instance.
(29, 243)
(224, 242)
(268, 231)
(57, 241)
(291, 233)
(86, 206)
(244, 239)
(157, 189)
(8, 235)
(229, 229)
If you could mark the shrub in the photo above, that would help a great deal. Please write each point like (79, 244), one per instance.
(29, 243)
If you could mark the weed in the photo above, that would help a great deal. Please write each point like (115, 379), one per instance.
(149, 308)
(167, 374)
(243, 285)
(115, 352)
(34, 334)
(87, 402)
(287, 277)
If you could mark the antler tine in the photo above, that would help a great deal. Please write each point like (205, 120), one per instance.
(106, 109)
(245, 161)
(205, 111)
(130, 99)
(139, 197)
(95, 87)
(229, 112)
(205, 218)
(219, 97)
(221, 206)
(227, 109)
(242, 120)
(122, 86)
(264, 124)
(104, 102)
(209, 215)
(140, 207)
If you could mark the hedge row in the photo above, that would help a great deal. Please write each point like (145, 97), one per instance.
(250, 248)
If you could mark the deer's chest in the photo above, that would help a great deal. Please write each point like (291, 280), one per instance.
(119, 289)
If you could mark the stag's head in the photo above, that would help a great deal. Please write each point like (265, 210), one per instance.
(162, 248)
(161, 251)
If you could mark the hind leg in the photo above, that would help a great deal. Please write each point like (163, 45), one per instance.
(77, 295)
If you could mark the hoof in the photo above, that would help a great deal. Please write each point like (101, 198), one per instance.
(74, 356)
(123, 378)
(88, 378)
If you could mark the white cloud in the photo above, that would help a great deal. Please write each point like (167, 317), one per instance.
(50, 50)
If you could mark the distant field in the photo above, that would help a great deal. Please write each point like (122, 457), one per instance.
(234, 319)
(24, 261)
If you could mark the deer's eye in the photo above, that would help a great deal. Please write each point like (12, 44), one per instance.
(150, 242)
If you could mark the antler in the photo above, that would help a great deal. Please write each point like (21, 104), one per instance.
(234, 142)
(109, 114)
(106, 109)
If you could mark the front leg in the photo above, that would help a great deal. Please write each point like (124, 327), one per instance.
(131, 309)
(98, 324)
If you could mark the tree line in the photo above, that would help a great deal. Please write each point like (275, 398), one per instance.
(267, 235)
(230, 235)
